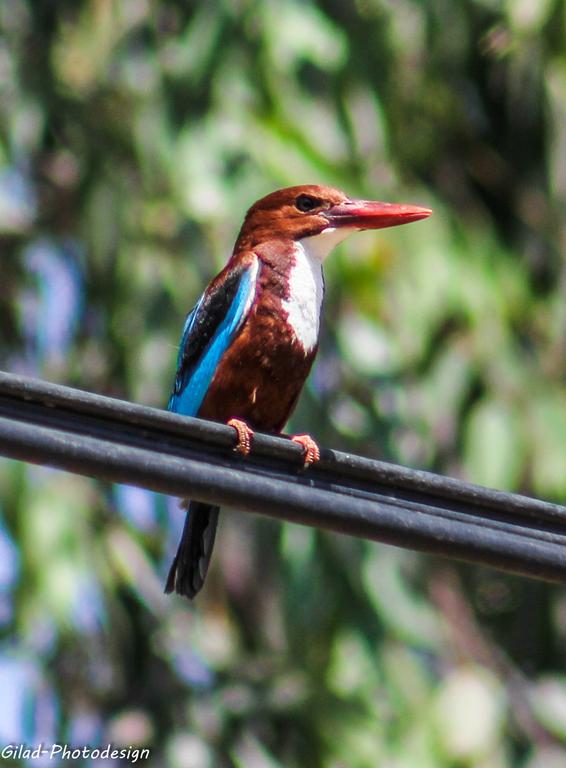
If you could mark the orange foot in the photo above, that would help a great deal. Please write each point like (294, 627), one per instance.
(310, 448)
(245, 436)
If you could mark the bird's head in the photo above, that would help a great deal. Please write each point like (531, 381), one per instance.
(324, 215)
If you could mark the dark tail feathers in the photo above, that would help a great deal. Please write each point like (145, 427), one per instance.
(188, 570)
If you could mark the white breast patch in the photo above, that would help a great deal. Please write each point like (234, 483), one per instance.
(306, 291)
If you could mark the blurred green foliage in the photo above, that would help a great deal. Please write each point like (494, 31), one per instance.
(133, 136)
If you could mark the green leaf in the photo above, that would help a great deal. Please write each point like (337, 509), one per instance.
(494, 450)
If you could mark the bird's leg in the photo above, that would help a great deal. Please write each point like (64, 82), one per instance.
(245, 436)
(311, 451)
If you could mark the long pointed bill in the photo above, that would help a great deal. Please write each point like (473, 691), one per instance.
(370, 214)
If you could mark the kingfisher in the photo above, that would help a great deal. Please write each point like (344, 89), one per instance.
(249, 343)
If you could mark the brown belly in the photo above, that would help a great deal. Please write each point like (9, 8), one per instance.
(259, 378)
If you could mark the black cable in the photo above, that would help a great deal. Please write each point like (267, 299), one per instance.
(102, 437)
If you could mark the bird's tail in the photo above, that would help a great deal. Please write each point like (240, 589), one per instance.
(188, 570)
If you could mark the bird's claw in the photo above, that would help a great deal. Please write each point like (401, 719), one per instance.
(311, 451)
(245, 436)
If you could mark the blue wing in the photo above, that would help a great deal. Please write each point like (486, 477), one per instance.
(208, 332)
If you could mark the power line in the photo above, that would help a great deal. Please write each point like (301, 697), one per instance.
(88, 434)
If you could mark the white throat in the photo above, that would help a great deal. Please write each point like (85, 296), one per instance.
(306, 285)
(319, 246)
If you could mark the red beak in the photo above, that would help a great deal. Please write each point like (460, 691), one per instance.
(370, 214)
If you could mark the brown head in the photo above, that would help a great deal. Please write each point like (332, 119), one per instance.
(310, 210)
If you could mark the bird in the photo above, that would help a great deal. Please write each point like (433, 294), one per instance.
(249, 343)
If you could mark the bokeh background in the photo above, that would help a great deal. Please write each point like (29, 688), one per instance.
(133, 136)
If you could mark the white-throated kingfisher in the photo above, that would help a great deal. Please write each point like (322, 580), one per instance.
(250, 341)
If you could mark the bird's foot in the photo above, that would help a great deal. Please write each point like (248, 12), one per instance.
(311, 451)
(245, 436)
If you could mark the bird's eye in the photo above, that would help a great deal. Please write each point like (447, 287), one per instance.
(306, 203)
